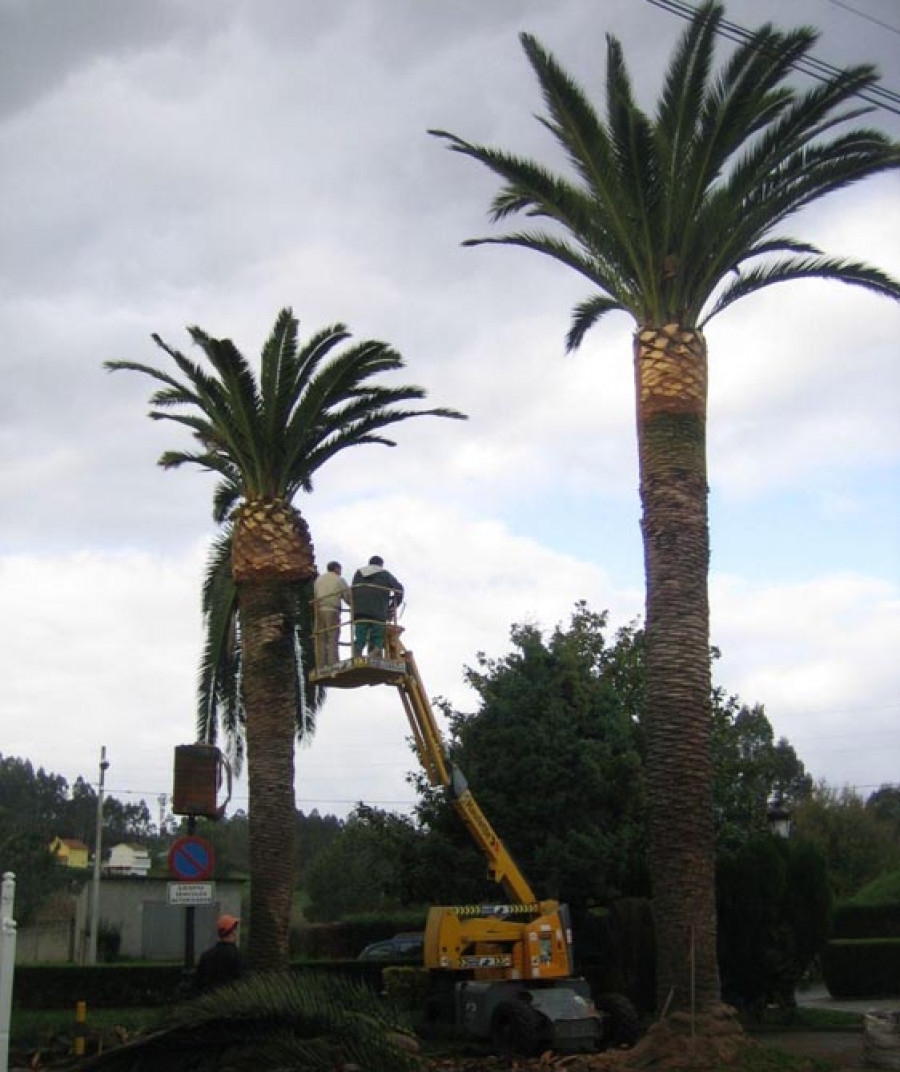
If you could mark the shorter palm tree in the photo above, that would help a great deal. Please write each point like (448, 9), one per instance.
(265, 437)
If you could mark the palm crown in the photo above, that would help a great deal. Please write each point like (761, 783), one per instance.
(266, 437)
(664, 212)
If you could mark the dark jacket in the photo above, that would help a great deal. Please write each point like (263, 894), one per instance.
(375, 592)
(219, 965)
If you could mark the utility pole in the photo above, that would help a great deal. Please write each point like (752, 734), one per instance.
(161, 801)
(98, 853)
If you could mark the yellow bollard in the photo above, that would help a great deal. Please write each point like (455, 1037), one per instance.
(80, 1027)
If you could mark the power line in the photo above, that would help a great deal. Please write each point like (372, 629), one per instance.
(865, 15)
(876, 95)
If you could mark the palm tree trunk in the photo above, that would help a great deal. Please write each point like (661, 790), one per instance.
(271, 702)
(670, 380)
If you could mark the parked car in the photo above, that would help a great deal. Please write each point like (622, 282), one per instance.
(408, 946)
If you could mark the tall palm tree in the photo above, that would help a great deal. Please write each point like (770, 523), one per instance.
(672, 217)
(265, 437)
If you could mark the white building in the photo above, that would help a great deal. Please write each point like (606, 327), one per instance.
(125, 859)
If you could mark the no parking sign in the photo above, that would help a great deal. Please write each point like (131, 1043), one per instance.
(192, 859)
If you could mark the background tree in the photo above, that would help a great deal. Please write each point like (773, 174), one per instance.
(750, 768)
(35, 798)
(315, 833)
(553, 757)
(774, 917)
(856, 844)
(365, 868)
(265, 436)
(884, 804)
(671, 218)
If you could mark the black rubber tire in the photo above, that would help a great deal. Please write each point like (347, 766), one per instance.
(517, 1028)
(623, 1026)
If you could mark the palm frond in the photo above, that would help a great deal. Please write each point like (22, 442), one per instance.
(277, 1021)
(585, 315)
(242, 407)
(278, 374)
(843, 271)
(311, 696)
(683, 93)
(219, 702)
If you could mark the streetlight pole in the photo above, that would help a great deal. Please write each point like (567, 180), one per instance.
(98, 852)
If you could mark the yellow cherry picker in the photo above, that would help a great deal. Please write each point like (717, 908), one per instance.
(505, 971)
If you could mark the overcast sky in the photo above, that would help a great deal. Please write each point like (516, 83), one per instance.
(168, 163)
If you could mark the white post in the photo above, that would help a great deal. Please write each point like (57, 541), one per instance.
(98, 853)
(7, 963)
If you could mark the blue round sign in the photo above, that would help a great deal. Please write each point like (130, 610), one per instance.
(192, 859)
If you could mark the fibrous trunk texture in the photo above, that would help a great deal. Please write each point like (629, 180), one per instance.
(271, 702)
(671, 386)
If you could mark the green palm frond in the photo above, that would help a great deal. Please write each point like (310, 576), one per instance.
(274, 1021)
(842, 271)
(218, 688)
(658, 211)
(585, 315)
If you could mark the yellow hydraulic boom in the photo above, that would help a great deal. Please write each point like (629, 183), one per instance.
(524, 939)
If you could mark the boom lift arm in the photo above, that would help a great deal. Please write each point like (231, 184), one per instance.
(432, 754)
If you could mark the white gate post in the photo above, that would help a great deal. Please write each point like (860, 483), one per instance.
(7, 963)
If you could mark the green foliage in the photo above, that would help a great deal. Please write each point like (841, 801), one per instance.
(750, 885)
(749, 769)
(676, 215)
(553, 757)
(862, 967)
(867, 919)
(883, 890)
(38, 874)
(406, 987)
(808, 901)
(562, 717)
(774, 912)
(366, 867)
(884, 803)
(40, 986)
(858, 846)
(274, 1020)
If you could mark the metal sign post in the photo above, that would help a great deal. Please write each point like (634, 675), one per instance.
(7, 963)
(191, 859)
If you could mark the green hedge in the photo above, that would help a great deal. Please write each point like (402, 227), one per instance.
(862, 967)
(39, 986)
(855, 920)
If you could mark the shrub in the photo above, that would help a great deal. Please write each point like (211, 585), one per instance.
(853, 919)
(40, 986)
(862, 967)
